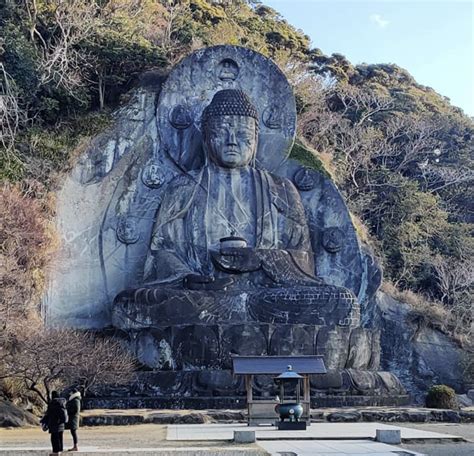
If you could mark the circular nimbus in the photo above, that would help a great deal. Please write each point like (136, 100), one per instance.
(127, 230)
(305, 179)
(227, 70)
(180, 117)
(197, 78)
(333, 239)
(152, 176)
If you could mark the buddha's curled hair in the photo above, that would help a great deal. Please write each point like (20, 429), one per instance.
(229, 102)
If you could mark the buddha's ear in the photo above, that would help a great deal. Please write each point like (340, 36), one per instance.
(257, 131)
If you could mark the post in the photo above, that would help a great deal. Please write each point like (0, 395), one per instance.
(306, 389)
(307, 397)
(248, 387)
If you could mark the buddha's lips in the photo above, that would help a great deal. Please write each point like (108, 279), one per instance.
(232, 152)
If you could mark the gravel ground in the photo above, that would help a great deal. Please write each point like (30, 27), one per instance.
(448, 448)
(464, 430)
(442, 449)
(153, 435)
(137, 436)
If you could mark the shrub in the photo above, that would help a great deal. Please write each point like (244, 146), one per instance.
(441, 396)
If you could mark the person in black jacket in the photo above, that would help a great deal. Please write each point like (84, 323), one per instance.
(55, 418)
(73, 407)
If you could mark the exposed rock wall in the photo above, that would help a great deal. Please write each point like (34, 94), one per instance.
(107, 204)
(105, 214)
(418, 356)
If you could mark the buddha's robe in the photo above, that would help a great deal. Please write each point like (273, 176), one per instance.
(271, 281)
(202, 207)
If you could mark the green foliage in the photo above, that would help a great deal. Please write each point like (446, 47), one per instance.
(409, 223)
(12, 169)
(118, 59)
(441, 397)
(399, 151)
(404, 160)
(19, 57)
(242, 23)
(207, 13)
(308, 158)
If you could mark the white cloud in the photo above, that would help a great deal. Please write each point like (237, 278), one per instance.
(379, 20)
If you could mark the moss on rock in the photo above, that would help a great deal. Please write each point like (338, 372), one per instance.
(308, 157)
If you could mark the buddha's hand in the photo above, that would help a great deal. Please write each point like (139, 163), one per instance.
(236, 259)
(201, 282)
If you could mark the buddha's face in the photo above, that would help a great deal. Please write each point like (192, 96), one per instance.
(231, 140)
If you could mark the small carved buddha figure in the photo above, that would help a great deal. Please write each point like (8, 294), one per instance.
(231, 241)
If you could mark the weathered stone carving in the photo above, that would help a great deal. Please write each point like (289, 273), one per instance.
(152, 176)
(333, 239)
(190, 267)
(305, 179)
(180, 117)
(229, 257)
(272, 117)
(127, 231)
(228, 70)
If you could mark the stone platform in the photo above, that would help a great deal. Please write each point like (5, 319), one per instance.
(334, 448)
(151, 439)
(212, 440)
(317, 431)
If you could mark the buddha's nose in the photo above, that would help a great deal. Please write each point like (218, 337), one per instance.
(231, 139)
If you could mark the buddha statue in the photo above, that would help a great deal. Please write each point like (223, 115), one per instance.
(231, 242)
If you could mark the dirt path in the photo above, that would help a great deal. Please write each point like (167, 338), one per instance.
(136, 436)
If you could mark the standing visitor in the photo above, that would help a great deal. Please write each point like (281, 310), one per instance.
(54, 419)
(73, 407)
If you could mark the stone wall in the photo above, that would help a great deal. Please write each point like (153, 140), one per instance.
(419, 356)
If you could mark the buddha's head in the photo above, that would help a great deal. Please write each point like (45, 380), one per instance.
(230, 129)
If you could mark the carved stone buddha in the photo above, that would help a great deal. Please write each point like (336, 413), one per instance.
(231, 242)
(194, 227)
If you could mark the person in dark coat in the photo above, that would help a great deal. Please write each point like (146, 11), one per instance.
(55, 418)
(73, 407)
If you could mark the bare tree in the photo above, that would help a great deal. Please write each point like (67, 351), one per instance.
(454, 277)
(102, 361)
(177, 14)
(47, 359)
(455, 280)
(361, 105)
(25, 246)
(12, 116)
(73, 21)
(440, 177)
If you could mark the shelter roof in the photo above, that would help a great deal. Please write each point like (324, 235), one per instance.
(275, 365)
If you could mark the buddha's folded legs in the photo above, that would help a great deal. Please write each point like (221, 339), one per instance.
(318, 305)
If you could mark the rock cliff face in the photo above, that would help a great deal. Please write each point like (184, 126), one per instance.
(106, 207)
(105, 215)
(420, 356)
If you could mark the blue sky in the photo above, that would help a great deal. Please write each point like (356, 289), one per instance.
(432, 39)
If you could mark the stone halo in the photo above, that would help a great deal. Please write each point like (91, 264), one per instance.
(333, 239)
(195, 80)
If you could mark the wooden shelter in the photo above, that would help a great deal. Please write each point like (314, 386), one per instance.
(262, 411)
